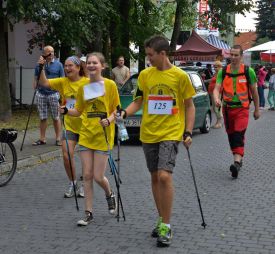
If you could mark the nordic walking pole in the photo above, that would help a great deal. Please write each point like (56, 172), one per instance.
(193, 175)
(70, 162)
(34, 93)
(116, 177)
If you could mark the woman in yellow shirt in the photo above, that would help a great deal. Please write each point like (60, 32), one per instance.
(96, 103)
(68, 87)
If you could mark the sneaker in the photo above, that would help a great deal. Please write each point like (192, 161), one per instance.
(165, 236)
(88, 219)
(70, 192)
(235, 168)
(112, 204)
(155, 232)
(81, 191)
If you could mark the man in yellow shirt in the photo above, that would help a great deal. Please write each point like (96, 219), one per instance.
(165, 92)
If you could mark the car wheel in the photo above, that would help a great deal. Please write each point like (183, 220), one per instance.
(206, 124)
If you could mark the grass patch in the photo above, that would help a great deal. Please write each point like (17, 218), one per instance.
(19, 119)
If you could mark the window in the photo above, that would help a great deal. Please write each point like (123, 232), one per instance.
(130, 86)
(197, 83)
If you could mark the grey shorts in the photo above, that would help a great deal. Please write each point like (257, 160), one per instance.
(161, 155)
(46, 102)
(84, 148)
(70, 136)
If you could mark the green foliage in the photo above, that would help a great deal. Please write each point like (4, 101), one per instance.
(265, 26)
(219, 11)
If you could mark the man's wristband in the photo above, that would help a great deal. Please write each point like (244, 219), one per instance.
(187, 134)
(65, 111)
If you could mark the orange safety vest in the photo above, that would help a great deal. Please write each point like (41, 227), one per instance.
(241, 87)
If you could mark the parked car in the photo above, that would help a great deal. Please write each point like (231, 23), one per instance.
(201, 101)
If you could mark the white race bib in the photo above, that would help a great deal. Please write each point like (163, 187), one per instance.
(70, 103)
(94, 90)
(160, 104)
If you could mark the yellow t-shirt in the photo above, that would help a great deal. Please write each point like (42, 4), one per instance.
(68, 91)
(154, 86)
(91, 134)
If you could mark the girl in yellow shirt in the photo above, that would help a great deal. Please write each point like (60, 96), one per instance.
(96, 102)
(68, 87)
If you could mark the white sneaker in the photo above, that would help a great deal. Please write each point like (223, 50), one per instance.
(81, 191)
(70, 192)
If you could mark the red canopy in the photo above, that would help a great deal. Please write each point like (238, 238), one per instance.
(196, 49)
(268, 56)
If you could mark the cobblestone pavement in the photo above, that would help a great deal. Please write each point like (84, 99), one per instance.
(35, 218)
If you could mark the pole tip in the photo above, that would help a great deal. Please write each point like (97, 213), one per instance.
(204, 225)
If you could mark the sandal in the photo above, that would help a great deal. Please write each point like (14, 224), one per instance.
(58, 143)
(39, 143)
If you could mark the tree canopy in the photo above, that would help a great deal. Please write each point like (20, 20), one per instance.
(108, 26)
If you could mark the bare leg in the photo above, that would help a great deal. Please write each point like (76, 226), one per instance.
(87, 162)
(66, 161)
(166, 192)
(43, 127)
(100, 163)
(57, 128)
(155, 189)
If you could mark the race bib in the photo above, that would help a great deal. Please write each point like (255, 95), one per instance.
(160, 104)
(70, 103)
(94, 90)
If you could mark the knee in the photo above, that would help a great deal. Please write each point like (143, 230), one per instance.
(87, 177)
(98, 178)
(164, 177)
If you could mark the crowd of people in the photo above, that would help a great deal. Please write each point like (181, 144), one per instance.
(89, 102)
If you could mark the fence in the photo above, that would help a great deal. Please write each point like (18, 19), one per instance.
(21, 80)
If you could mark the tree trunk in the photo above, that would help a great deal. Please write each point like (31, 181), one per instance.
(5, 101)
(125, 6)
(177, 25)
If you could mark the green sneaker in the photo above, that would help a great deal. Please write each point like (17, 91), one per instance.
(165, 236)
(155, 232)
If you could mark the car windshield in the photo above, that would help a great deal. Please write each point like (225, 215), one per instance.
(130, 86)
(197, 82)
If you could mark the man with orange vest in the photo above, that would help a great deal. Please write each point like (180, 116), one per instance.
(237, 83)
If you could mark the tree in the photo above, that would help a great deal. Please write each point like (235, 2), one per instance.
(68, 23)
(265, 26)
(10, 13)
(218, 14)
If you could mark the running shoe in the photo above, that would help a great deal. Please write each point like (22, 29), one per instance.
(87, 220)
(155, 232)
(112, 204)
(165, 236)
(234, 169)
(70, 192)
(81, 191)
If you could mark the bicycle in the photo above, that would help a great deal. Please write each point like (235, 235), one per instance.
(8, 155)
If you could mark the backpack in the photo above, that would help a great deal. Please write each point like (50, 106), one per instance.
(246, 73)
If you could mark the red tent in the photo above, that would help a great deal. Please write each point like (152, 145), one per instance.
(196, 49)
(268, 56)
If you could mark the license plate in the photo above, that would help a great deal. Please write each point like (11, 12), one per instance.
(132, 122)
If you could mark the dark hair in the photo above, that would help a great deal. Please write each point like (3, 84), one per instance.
(238, 47)
(158, 43)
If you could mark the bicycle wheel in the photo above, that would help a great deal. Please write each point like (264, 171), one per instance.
(8, 162)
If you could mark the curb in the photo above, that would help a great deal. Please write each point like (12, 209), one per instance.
(34, 160)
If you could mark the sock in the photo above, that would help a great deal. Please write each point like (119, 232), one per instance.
(72, 183)
(168, 225)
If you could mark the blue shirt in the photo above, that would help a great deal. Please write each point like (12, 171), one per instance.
(53, 69)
